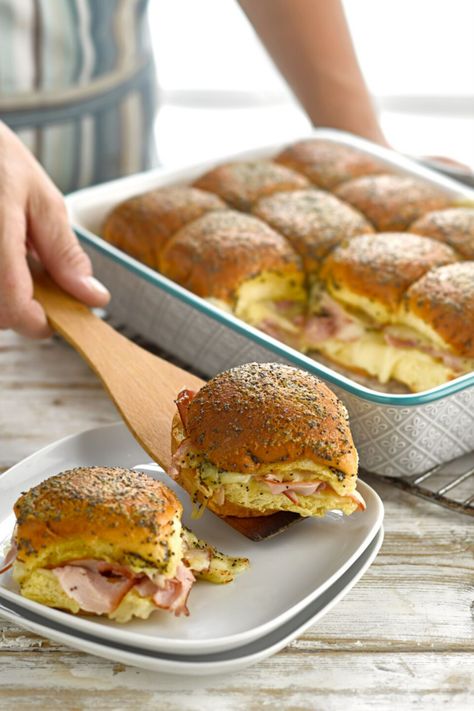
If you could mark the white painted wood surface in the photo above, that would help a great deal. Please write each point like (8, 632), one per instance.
(402, 639)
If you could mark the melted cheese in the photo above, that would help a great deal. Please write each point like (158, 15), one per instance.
(299, 470)
(375, 310)
(256, 297)
(373, 355)
(245, 490)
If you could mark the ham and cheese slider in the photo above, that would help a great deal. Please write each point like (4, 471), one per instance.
(262, 438)
(328, 164)
(454, 226)
(362, 286)
(242, 183)
(243, 266)
(392, 202)
(109, 541)
(141, 225)
(438, 318)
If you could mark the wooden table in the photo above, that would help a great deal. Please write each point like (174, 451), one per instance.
(401, 639)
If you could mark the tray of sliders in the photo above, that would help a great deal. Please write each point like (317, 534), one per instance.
(102, 550)
(331, 254)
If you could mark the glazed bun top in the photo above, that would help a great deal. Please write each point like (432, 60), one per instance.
(215, 254)
(381, 267)
(270, 413)
(242, 183)
(444, 301)
(95, 509)
(392, 202)
(454, 226)
(313, 221)
(328, 164)
(142, 224)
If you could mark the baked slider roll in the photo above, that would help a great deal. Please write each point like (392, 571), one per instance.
(109, 541)
(438, 317)
(313, 221)
(392, 202)
(328, 164)
(242, 183)
(363, 283)
(454, 226)
(141, 225)
(243, 266)
(262, 438)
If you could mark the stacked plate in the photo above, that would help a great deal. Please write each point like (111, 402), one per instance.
(293, 580)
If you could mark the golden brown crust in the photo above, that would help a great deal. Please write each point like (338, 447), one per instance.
(313, 221)
(328, 164)
(259, 414)
(127, 509)
(454, 226)
(142, 225)
(215, 254)
(444, 299)
(392, 202)
(382, 266)
(241, 184)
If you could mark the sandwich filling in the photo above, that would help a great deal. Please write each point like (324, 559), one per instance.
(302, 486)
(382, 346)
(122, 590)
(272, 302)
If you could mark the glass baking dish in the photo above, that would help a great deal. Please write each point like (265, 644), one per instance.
(396, 434)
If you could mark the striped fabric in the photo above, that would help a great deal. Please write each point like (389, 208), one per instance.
(77, 84)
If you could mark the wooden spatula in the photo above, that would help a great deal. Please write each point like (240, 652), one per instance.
(142, 386)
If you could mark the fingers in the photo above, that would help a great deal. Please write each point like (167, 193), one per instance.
(59, 250)
(18, 309)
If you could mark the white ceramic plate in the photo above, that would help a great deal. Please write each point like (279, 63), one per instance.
(216, 663)
(287, 573)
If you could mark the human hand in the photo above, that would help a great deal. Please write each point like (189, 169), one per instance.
(33, 220)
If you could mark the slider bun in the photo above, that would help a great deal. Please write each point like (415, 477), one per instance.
(106, 513)
(142, 225)
(441, 306)
(214, 255)
(328, 164)
(263, 413)
(372, 272)
(313, 221)
(242, 184)
(454, 226)
(392, 202)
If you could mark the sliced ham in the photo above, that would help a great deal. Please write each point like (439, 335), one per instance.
(92, 591)
(332, 322)
(103, 567)
(178, 458)
(99, 587)
(9, 558)
(449, 359)
(305, 488)
(172, 594)
(182, 403)
(355, 496)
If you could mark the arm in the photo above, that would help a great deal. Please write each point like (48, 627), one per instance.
(33, 219)
(310, 43)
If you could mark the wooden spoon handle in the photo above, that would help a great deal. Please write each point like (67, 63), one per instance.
(142, 386)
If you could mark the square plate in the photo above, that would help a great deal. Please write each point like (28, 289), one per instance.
(286, 573)
(215, 663)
